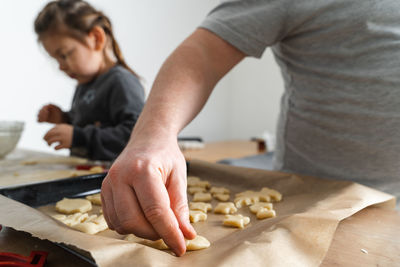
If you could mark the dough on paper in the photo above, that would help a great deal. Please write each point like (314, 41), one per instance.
(95, 199)
(197, 216)
(199, 242)
(202, 206)
(73, 205)
(92, 225)
(238, 220)
(225, 208)
(202, 197)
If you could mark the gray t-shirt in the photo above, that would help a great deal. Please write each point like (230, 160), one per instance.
(340, 60)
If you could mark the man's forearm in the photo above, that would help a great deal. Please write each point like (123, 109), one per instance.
(185, 82)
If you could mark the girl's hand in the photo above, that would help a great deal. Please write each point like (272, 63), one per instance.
(51, 113)
(61, 134)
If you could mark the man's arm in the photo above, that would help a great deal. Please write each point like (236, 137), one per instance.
(145, 190)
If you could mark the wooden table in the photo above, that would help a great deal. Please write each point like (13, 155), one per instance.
(215, 151)
(376, 231)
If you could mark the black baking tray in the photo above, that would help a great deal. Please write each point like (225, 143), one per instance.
(44, 193)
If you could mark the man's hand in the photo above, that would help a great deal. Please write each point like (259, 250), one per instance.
(51, 113)
(144, 193)
(61, 134)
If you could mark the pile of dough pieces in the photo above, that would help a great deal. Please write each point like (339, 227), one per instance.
(259, 203)
(74, 213)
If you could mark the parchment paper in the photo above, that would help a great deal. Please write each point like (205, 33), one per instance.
(23, 167)
(300, 235)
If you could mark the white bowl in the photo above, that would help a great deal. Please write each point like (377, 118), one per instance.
(10, 132)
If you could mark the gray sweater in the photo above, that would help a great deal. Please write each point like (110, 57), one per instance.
(103, 114)
(340, 60)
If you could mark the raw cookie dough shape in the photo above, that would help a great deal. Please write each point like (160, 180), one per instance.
(73, 205)
(260, 205)
(273, 194)
(225, 208)
(195, 189)
(250, 197)
(202, 206)
(95, 199)
(97, 169)
(199, 242)
(92, 225)
(238, 220)
(219, 190)
(72, 219)
(265, 213)
(194, 181)
(202, 197)
(221, 197)
(197, 216)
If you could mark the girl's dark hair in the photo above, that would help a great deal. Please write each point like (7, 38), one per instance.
(78, 18)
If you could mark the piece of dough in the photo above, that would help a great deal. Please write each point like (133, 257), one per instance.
(225, 208)
(194, 189)
(250, 197)
(97, 169)
(95, 199)
(191, 180)
(194, 181)
(257, 206)
(273, 194)
(202, 206)
(73, 205)
(238, 220)
(219, 190)
(197, 216)
(158, 244)
(221, 197)
(71, 220)
(199, 242)
(265, 213)
(92, 225)
(202, 197)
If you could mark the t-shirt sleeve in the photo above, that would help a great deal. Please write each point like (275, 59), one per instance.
(249, 25)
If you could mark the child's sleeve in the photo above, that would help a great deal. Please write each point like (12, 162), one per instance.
(106, 141)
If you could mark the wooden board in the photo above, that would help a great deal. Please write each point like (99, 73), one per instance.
(215, 151)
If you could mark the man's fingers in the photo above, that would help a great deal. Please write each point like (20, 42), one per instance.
(154, 200)
(107, 203)
(178, 198)
(131, 218)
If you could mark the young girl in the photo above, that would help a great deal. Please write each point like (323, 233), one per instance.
(108, 98)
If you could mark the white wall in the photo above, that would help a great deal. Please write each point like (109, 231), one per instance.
(243, 105)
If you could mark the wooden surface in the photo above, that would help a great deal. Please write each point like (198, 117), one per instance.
(215, 151)
(377, 231)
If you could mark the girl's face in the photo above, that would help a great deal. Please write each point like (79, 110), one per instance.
(82, 62)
